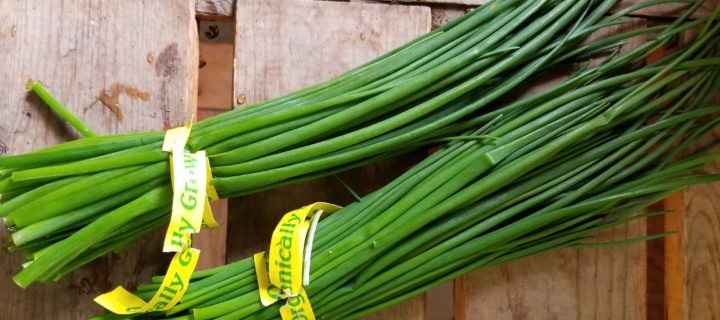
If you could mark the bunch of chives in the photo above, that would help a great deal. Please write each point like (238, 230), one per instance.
(437, 85)
(548, 172)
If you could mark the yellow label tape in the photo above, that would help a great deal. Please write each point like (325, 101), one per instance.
(121, 301)
(190, 174)
(288, 245)
(190, 179)
(269, 294)
(297, 308)
(283, 270)
(212, 195)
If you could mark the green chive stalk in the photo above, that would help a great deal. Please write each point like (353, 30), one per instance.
(545, 172)
(59, 109)
(437, 86)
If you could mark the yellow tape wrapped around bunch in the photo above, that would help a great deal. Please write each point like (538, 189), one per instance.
(284, 270)
(192, 192)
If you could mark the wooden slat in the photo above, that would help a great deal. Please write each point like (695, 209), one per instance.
(701, 240)
(565, 284)
(440, 302)
(282, 46)
(664, 10)
(411, 309)
(700, 277)
(444, 14)
(215, 8)
(212, 242)
(286, 45)
(674, 286)
(82, 50)
(698, 274)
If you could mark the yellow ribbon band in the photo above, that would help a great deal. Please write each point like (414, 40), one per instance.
(190, 174)
(121, 301)
(284, 270)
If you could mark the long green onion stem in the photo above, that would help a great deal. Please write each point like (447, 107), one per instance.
(59, 109)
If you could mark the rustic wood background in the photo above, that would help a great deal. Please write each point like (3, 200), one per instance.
(142, 65)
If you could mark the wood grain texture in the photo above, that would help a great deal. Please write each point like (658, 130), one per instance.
(564, 284)
(701, 238)
(700, 244)
(295, 44)
(285, 45)
(674, 264)
(80, 49)
(444, 14)
(215, 8)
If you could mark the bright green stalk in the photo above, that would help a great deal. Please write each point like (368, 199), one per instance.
(59, 109)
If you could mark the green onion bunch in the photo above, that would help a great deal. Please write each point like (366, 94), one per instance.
(69, 204)
(545, 172)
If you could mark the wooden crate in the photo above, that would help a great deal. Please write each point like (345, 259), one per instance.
(89, 51)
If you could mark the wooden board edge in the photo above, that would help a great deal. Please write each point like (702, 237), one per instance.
(194, 38)
(459, 298)
(215, 9)
(674, 256)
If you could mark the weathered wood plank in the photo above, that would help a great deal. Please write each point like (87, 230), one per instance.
(444, 14)
(215, 8)
(603, 283)
(701, 246)
(664, 10)
(693, 258)
(83, 50)
(87, 52)
(297, 43)
(411, 309)
(673, 262)
(212, 242)
(440, 302)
